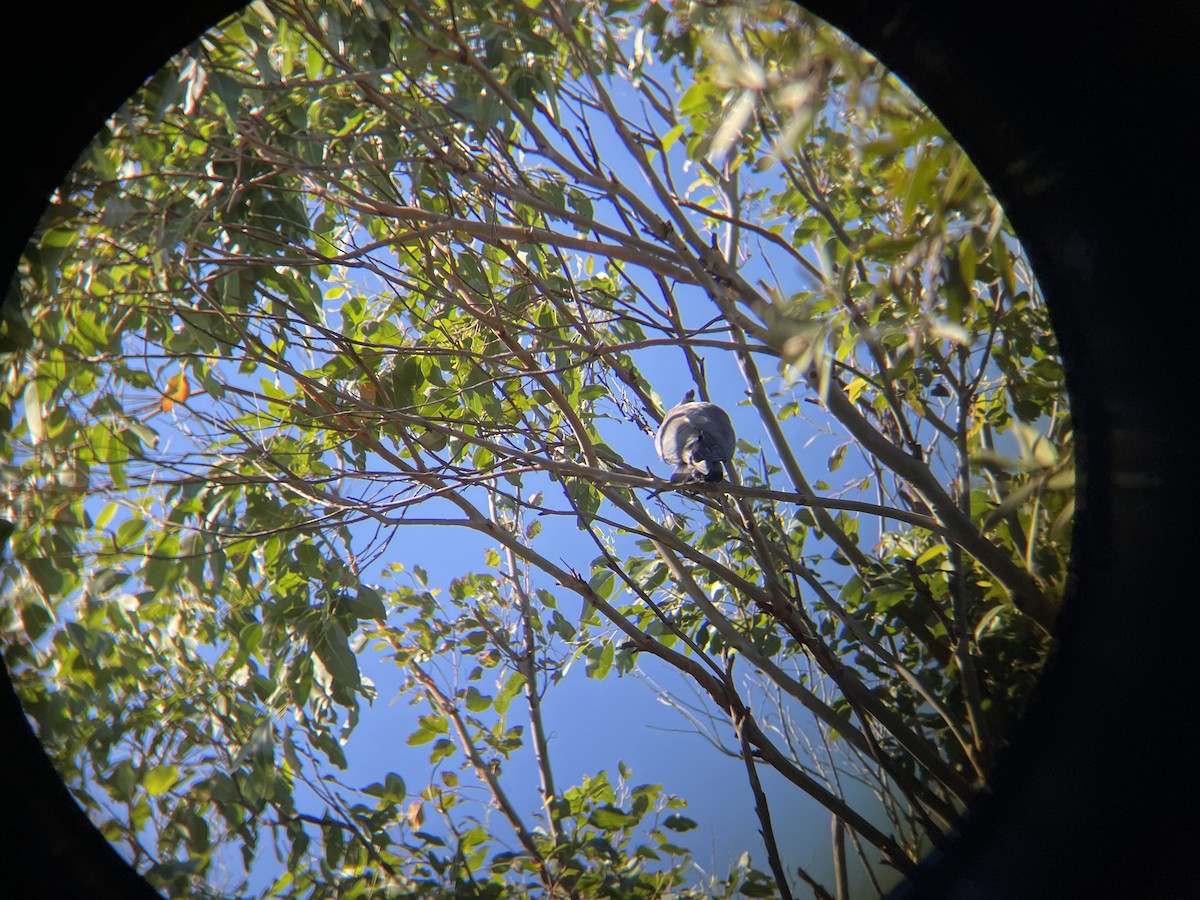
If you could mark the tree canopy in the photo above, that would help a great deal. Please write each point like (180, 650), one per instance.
(345, 280)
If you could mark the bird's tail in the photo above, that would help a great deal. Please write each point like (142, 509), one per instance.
(698, 470)
(693, 468)
(684, 473)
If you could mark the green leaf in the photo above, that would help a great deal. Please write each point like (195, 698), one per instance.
(836, 458)
(391, 792)
(669, 139)
(476, 701)
(679, 823)
(332, 647)
(513, 685)
(47, 574)
(368, 604)
(935, 552)
(419, 737)
(160, 779)
(600, 663)
(759, 887)
(611, 818)
(443, 749)
(602, 582)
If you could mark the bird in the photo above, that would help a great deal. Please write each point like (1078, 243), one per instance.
(176, 391)
(697, 439)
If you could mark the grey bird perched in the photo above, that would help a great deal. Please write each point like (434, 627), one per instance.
(695, 438)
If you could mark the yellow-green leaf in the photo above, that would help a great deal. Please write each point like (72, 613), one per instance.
(160, 779)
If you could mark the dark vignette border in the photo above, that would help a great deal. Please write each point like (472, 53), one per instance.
(1080, 120)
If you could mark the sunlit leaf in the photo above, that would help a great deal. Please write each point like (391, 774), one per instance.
(160, 779)
(333, 649)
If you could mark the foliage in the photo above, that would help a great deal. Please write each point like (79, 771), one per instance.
(349, 271)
